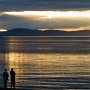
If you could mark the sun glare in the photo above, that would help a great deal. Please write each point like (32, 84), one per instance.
(3, 30)
(51, 14)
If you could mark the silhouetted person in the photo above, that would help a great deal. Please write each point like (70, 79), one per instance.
(5, 78)
(12, 74)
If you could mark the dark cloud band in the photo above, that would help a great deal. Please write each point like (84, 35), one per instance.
(18, 5)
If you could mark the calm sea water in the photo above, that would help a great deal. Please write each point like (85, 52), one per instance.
(50, 63)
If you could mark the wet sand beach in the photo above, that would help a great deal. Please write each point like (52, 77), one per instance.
(17, 89)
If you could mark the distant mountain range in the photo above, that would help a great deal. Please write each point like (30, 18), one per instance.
(29, 32)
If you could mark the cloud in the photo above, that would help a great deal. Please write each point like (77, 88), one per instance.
(45, 19)
(70, 14)
(50, 14)
(18, 5)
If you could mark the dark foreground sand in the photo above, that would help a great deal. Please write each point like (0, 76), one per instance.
(16, 89)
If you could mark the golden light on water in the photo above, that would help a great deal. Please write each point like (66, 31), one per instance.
(14, 61)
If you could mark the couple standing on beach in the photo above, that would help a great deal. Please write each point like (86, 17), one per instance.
(6, 75)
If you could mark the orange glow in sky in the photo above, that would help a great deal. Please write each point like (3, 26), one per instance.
(68, 29)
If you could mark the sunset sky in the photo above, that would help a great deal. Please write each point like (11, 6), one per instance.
(69, 15)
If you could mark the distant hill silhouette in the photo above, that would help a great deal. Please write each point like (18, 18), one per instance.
(29, 32)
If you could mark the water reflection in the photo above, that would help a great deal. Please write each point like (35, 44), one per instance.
(3, 57)
(50, 70)
(48, 44)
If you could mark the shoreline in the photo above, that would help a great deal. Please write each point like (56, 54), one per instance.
(1, 88)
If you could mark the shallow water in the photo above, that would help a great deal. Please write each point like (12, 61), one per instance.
(47, 69)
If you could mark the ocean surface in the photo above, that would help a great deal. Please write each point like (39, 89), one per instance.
(47, 63)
